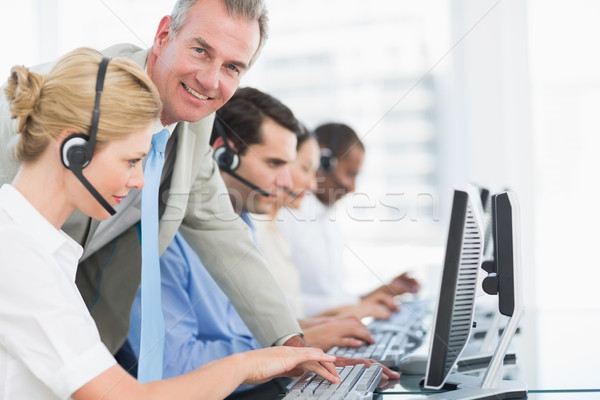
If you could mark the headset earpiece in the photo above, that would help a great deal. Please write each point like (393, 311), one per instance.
(74, 151)
(77, 149)
(328, 160)
(226, 158)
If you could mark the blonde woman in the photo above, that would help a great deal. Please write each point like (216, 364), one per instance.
(49, 344)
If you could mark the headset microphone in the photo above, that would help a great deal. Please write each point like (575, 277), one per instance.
(77, 171)
(290, 192)
(77, 149)
(248, 183)
(228, 160)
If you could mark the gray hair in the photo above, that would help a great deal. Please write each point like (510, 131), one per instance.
(251, 10)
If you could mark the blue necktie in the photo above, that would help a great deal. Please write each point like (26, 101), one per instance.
(153, 324)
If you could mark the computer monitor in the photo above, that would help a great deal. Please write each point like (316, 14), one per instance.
(496, 283)
(452, 324)
(456, 297)
(490, 322)
(486, 316)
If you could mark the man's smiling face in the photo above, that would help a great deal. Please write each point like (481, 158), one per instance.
(199, 69)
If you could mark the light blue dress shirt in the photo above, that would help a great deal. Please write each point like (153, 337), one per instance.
(201, 323)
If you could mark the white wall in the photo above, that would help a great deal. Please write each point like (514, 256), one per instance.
(566, 97)
(487, 121)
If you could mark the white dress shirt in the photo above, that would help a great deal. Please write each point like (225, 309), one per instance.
(276, 249)
(49, 344)
(317, 250)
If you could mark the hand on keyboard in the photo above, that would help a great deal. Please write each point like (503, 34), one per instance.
(399, 285)
(395, 338)
(383, 299)
(337, 331)
(344, 361)
(358, 383)
(378, 305)
(264, 364)
(388, 349)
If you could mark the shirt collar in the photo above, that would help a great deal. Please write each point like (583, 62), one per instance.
(244, 215)
(26, 217)
(246, 218)
(158, 126)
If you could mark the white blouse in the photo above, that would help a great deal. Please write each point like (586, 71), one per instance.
(49, 343)
(276, 250)
(317, 250)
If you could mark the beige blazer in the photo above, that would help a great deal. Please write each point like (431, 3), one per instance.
(197, 204)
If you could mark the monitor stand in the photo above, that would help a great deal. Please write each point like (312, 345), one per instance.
(492, 386)
(479, 357)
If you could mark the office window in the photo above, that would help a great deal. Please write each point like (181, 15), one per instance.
(369, 65)
(42, 30)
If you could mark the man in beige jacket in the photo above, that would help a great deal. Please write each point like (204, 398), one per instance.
(197, 59)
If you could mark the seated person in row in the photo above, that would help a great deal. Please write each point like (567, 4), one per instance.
(255, 141)
(317, 244)
(276, 247)
(89, 121)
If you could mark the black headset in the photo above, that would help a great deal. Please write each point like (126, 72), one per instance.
(228, 160)
(328, 159)
(77, 149)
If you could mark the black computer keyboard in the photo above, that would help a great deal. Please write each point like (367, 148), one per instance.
(358, 383)
(395, 338)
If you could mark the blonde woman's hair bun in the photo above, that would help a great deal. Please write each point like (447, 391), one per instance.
(23, 92)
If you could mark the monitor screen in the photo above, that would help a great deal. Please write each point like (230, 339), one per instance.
(504, 251)
(486, 204)
(456, 298)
